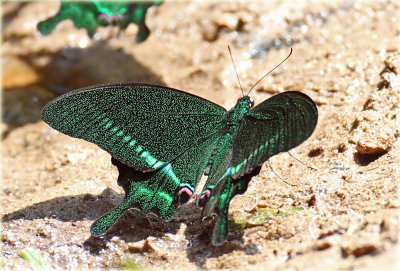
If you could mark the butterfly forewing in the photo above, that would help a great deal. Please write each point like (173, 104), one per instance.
(144, 126)
(276, 125)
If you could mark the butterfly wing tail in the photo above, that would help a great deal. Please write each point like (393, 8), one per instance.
(219, 205)
(141, 191)
(125, 177)
(105, 222)
(220, 230)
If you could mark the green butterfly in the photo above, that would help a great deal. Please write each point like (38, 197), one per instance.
(163, 140)
(91, 14)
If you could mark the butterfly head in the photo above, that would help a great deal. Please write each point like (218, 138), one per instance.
(245, 102)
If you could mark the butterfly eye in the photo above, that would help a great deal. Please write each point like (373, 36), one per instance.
(251, 102)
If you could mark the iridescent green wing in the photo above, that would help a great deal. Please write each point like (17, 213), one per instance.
(160, 191)
(219, 200)
(276, 125)
(220, 188)
(144, 126)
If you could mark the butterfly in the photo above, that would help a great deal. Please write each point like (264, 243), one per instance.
(162, 140)
(89, 15)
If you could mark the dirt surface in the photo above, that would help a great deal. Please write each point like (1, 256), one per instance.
(342, 214)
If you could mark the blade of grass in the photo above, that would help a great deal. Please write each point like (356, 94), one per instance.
(260, 217)
(32, 256)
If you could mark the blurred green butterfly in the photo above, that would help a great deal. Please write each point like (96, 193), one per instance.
(90, 14)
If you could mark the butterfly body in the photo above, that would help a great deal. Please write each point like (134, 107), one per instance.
(163, 140)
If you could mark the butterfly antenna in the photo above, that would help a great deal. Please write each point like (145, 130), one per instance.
(234, 66)
(300, 161)
(291, 51)
(273, 171)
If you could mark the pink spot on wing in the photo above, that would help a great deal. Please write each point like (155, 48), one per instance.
(204, 198)
(207, 194)
(105, 17)
(118, 17)
(111, 19)
(186, 190)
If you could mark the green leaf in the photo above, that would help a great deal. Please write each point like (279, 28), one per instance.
(261, 216)
(38, 261)
(130, 264)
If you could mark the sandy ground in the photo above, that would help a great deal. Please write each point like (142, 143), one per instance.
(343, 214)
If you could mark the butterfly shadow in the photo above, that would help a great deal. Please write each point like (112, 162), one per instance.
(65, 70)
(68, 208)
(133, 226)
(136, 226)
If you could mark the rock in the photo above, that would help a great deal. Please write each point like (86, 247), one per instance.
(17, 73)
(374, 141)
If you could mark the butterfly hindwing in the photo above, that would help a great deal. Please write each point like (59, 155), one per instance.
(276, 125)
(143, 126)
(160, 191)
(220, 187)
(222, 194)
